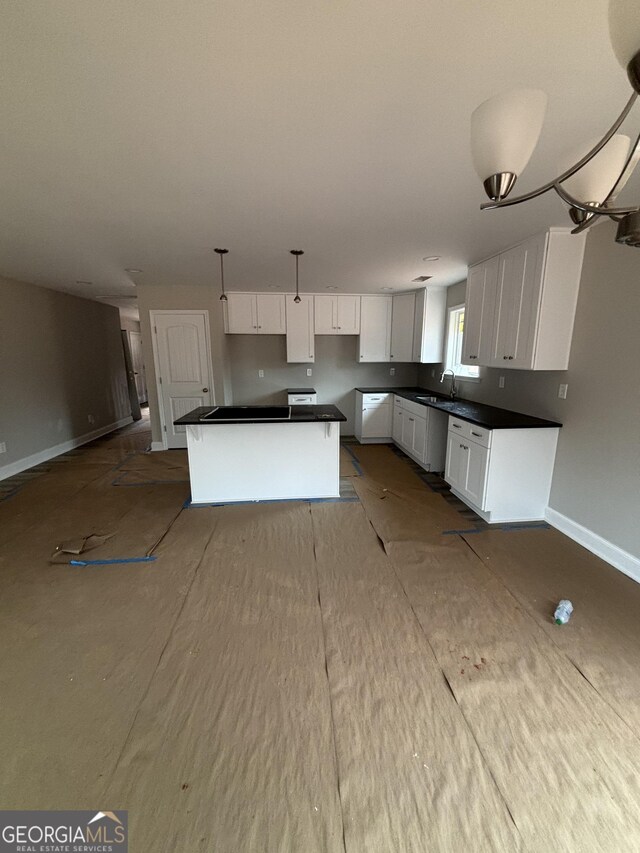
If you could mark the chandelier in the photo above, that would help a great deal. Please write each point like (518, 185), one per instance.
(505, 130)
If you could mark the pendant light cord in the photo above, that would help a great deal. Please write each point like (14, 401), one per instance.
(222, 253)
(296, 253)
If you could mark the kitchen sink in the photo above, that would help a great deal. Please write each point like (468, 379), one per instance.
(429, 399)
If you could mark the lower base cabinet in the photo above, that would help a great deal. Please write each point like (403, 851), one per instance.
(421, 432)
(504, 475)
(373, 417)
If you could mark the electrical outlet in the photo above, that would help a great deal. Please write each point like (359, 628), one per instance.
(261, 374)
(501, 382)
(91, 419)
(392, 371)
(433, 371)
(3, 447)
(309, 371)
(562, 391)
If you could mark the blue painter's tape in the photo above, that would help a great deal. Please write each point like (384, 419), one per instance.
(356, 464)
(112, 562)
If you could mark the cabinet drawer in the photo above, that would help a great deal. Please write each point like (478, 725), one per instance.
(479, 435)
(301, 399)
(371, 400)
(415, 408)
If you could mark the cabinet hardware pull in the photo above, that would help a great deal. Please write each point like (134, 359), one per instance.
(510, 358)
(457, 426)
(505, 357)
(411, 419)
(478, 434)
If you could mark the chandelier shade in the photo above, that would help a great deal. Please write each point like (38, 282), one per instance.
(505, 130)
(594, 181)
(624, 29)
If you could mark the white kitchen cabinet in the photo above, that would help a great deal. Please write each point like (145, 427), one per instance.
(373, 417)
(480, 304)
(429, 325)
(375, 329)
(300, 339)
(255, 314)
(504, 475)
(421, 432)
(403, 310)
(528, 314)
(337, 314)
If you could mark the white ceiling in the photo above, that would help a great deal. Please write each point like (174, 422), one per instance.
(142, 133)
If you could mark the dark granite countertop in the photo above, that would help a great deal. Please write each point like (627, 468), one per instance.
(299, 414)
(490, 417)
(300, 390)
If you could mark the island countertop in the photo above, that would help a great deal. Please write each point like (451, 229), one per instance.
(299, 415)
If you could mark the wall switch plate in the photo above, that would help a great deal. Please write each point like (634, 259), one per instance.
(309, 371)
(392, 371)
(433, 371)
(261, 374)
(3, 447)
(562, 391)
(501, 382)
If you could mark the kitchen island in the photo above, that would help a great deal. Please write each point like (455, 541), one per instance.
(261, 453)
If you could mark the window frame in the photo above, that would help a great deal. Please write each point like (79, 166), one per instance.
(450, 347)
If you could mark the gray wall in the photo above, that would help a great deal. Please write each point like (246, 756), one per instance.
(61, 360)
(336, 372)
(596, 478)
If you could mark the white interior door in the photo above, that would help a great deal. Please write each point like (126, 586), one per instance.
(183, 365)
(135, 345)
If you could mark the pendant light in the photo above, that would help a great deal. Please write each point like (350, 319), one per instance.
(222, 253)
(296, 253)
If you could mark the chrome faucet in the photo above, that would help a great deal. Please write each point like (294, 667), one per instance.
(453, 381)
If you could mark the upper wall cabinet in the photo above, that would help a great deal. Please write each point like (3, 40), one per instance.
(428, 329)
(300, 340)
(402, 322)
(255, 314)
(336, 314)
(521, 304)
(375, 329)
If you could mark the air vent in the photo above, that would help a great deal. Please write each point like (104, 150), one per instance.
(422, 278)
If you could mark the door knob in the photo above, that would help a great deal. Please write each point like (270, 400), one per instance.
(204, 390)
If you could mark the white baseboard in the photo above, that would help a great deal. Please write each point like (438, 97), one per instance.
(619, 559)
(157, 445)
(44, 455)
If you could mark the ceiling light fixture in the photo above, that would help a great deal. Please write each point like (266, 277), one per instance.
(386, 288)
(132, 270)
(432, 258)
(331, 287)
(222, 253)
(297, 253)
(505, 130)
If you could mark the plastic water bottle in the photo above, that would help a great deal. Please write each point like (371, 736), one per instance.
(563, 612)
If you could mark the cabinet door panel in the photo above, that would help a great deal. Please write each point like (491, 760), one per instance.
(402, 322)
(325, 314)
(271, 314)
(419, 438)
(375, 329)
(398, 418)
(475, 470)
(479, 312)
(241, 314)
(376, 421)
(454, 461)
(348, 315)
(300, 340)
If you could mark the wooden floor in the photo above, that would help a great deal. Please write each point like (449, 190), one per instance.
(357, 675)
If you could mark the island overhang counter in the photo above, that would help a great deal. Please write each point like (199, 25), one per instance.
(237, 454)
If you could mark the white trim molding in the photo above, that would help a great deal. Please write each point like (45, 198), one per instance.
(612, 554)
(157, 445)
(27, 462)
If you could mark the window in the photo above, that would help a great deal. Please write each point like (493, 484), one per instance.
(454, 345)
